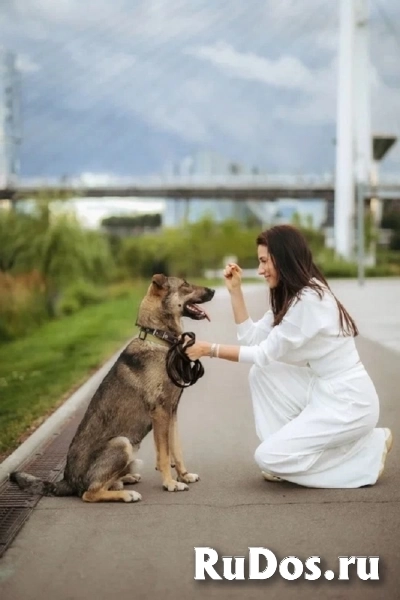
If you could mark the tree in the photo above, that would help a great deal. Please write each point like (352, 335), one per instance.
(65, 252)
(55, 245)
(128, 224)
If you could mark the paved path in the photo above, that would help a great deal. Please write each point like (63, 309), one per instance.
(69, 550)
(376, 306)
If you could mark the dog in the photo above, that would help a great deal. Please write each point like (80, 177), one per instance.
(135, 397)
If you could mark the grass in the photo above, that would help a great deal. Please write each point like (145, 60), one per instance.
(39, 371)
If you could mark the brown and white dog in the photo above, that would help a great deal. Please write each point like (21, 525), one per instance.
(135, 397)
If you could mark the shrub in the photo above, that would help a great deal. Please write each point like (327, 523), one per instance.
(78, 295)
(22, 304)
(68, 306)
(338, 269)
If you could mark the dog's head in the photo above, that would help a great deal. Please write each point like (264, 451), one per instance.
(168, 299)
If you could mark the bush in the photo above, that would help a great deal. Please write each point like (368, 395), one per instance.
(388, 265)
(389, 259)
(68, 306)
(188, 251)
(22, 304)
(382, 271)
(78, 295)
(338, 269)
(122, 289)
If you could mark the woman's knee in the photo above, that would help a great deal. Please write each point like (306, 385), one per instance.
(263, 456)
(278, 457)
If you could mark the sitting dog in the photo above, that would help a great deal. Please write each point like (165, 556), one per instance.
(135, 397)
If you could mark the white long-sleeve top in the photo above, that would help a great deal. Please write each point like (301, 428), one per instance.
(309, 331)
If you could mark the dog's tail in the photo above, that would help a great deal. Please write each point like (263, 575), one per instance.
(34, 485)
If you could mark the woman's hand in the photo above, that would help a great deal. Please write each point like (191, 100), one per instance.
(198, 350)
(233, 277)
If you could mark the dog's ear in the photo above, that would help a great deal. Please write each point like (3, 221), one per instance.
(159, 281)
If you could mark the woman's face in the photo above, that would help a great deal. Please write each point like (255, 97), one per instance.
(266, 267)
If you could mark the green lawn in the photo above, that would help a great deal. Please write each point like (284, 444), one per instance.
(38, 372)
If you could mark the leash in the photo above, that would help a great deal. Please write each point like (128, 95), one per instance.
(182, 371)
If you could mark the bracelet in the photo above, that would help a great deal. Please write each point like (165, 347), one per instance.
(214, 351)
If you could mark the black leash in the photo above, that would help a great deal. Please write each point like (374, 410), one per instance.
(182, 371)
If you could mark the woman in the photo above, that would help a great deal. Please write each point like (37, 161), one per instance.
(315, 406)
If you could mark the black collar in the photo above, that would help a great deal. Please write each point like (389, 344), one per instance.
(166, 336)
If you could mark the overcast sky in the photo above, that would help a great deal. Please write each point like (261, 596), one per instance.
(124, 86)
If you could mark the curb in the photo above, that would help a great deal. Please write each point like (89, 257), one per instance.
(55, 422)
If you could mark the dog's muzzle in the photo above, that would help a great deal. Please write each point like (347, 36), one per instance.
(194, 311)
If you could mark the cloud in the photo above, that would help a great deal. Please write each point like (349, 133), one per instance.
(315, 103)
(126, 86)
(285, 72)
(25, 64)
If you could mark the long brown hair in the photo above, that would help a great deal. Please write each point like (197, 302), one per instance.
(296, 269)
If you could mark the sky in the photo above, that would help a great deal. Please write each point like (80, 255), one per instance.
(128, 86)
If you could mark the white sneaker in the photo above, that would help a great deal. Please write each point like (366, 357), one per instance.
(389, 439)
(270, 477)
(387, 449)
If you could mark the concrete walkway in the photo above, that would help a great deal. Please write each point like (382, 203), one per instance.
(69, 550)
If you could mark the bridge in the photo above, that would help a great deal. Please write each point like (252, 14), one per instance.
(237, 187)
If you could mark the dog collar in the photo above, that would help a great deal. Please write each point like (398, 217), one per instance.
(165, 336)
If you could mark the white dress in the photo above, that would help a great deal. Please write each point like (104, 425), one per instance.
(315, 406)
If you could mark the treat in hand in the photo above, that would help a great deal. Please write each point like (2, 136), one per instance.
(233, 276)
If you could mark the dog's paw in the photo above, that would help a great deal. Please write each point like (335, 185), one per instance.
(131, 478)
(189, 477)
(131, 496)
(175, 486)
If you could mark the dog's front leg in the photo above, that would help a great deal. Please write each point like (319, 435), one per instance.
(176, 453)
(161, 428)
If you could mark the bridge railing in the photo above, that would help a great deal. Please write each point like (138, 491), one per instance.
(240, 182)
(253, 180)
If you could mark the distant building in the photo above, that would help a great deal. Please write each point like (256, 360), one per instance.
(312, 213)
(204, 164)
(10, 118)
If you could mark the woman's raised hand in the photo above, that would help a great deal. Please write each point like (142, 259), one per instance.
(233, 276)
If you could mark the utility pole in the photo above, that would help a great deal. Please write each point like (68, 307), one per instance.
(354, 140)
